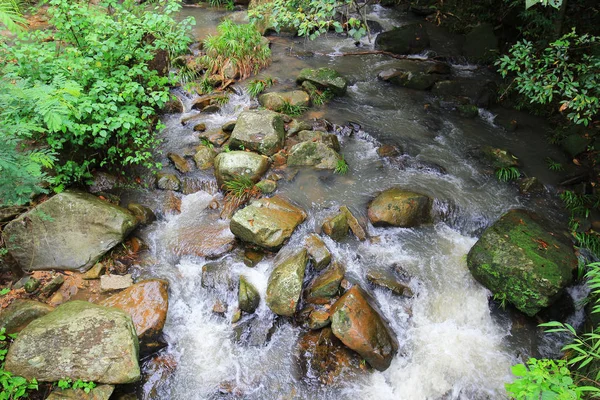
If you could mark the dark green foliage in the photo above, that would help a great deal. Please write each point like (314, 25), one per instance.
(13, 387)
(505, 174)
(257, 86)
(291, 109)
(341, 167)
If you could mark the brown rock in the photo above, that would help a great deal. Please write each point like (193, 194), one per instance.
(180, 163)
(336, 227)
(201, 127)
(318, 319)
(317, 251)
(401, 208)
(355, 226)
(388, 281)
(326, 285)
(387, 150)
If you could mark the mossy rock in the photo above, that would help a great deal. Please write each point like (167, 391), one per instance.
(518, 260)
(285, 283)
(317, 154)
(324, 78)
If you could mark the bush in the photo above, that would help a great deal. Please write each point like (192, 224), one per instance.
(87, 91)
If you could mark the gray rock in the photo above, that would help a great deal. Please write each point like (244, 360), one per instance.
(277, 100)
(285, 284)
(20, 313)
(235, 164)
(329, 139)
(78, 340)
(115, 282)
(315, 154)
(248, 296)
(318, 252)
(70, 231)
(167, 182)
(261, 131)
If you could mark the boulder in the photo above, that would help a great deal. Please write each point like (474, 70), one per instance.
(167, 182)
(325, 286)
(277, 100)
(398, 207)
(316, 154)
(70, 231)
(481, 44)
(78, 340)
(267, 222)
(336, 227)
(317, 252)
(20, 313)
(204, 157)
(261, 131)
(147, 303)
(408, 79)
(324, 78)
(248, 296)
(360, 327)
(285, 283)
(520, 261)
(232, 165)
(407, 39)
(100, 392)
(329, 139)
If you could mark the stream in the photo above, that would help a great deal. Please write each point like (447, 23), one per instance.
(454, 342)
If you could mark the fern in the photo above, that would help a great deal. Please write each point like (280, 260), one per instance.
(10, 16)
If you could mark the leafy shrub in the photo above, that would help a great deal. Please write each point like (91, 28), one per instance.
(341, 167)
(506, 174)
(291, 109)
(10, 15)
(99, 98)
(257, 86)
(13, 387)
(239, 47)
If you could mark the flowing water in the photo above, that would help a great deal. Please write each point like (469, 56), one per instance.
(454, 343)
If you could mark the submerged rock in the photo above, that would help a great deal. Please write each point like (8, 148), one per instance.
(285, 283)
(389, 281)
(267, 222)
(518, 260)
(71, 231)
(360, 327)
(20, 313)
(261, 131)
(324, 78)
(78, 340)
(232, 165)
(398, 207)
(317, 251)
(317, 154)
(248, 296)
(407, 39)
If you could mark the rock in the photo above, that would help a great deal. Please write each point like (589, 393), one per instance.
(147, 303)
(78, 340)
(329, 139)
(389, 281)
(216, 137)
(360, 327)
(32, 285)
(355, 226)
(318, 319)
(481, 44)
(10, 213)
(248, 296)
(407, 39)
(209, 100)
(167, 182)
(499, 158)
(411, 80)
(387, 150)
(324, 78)
(94, 272)
(20, 313)
(204, 157)
(316, 154)
(102, 182)
(531, 185)
(70, 231)
(201, 127)
(52, 286)
(277, 100)
(439, 68)
(100, 392)
(336, 227)
(213, 108)
(398, 207)
(115, 282)
(253, 331)
(217, 275)
(325, 286)
(317, 251)
(468, 110)
(285, 283)
(267, 186)
(232, 165)
(157, 374)
(228, 126)
(322, 357)
(478, 92)
(143, 214)
(179, 162)
(575, 144)
(267, 222)
(297, 126)
(517, 259)
(261, 131)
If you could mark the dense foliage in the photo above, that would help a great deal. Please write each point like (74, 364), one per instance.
(87, 92)
(13, 387)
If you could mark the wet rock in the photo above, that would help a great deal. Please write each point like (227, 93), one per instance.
(267, 222)
(253, 331)
(209, 100)
(248, 296)
(468, 110)
(267, 186)
(407, 39)
(100, 392)
(360, 327)
(217, 275)
(409, 79)
(147, 303)
(213, 108)
(329, 139)
(354, 225)
(318, 319)
(296, 126)
(315, 154)
(389, 281)
(167, 182)
(52, 286)
(519, 260)
(78, 340)
(20, 313)
(70, 231)
(204, 157)
(228, 126)
(179, 162)
(398, 207)
(109, 283)
(201, 127)
(336, 227)
(95, 272)
(575, 144)
(531, 185)
(235, 164)
(388, 150)
(439, 68)
(324, 78)
(499, 158)
(32, 285)
(322, 357)
(277, 100)
(143, 214)
(317, 251)
(481, 44)
(219, 308)
(216, 137)
(325, 286)
(477, 92)
(261, 131)
(285, 283)
(102, 182)
(157, 374)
